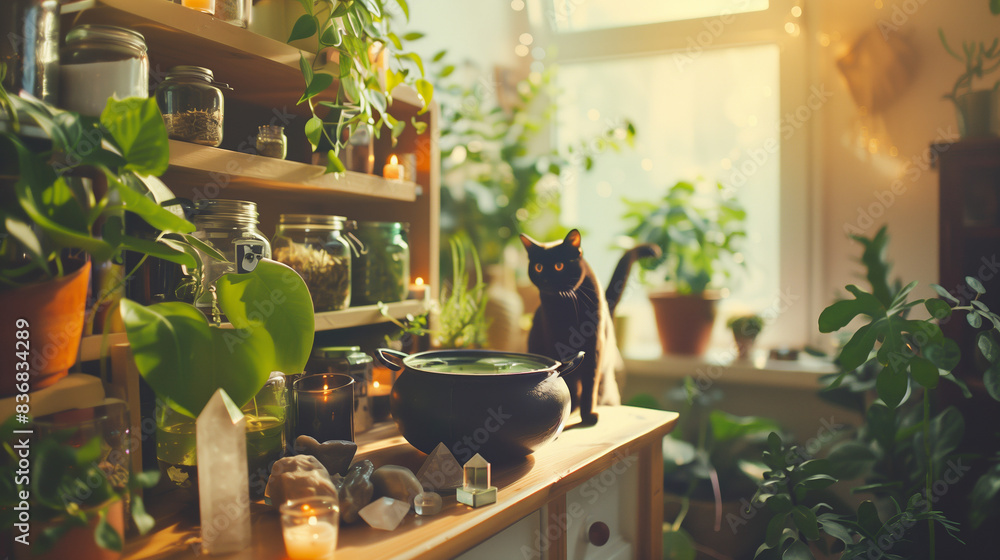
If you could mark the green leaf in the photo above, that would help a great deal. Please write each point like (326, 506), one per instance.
(816, 482)
(282, 310)
(835, 529)
(147, 209)
(304, 27)
(146, 479)
(891, 385)
(413, 36)
(331, 37)
(160, 249)
(446, 71)
(774, 529)
(779, 504)
(924, 372)
(975, 285)
(144, 522)
(938, 308)
(678, 545)
(333, 163)
(419, 126)
(805, 520)
(882, 424)
(798, 550)
(426, 91)
(974, 319)
(839, 314)
(314, 131)
(372, 7)
(305, 68)
(995, 7)
(137, 128)
(868, 519)
(405, 7)
(944, 293)
(726, 427)
(858, 348)
(105, 535)
(318, 85)
(439, 55)
(991, 379)
(944, 355)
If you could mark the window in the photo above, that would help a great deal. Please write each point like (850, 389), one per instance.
(714, 97)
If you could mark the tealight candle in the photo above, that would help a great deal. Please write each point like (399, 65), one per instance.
(418, 290)
(309, 526)
(207, 6)
(393, 169)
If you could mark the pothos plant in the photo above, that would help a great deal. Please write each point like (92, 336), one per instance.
(902, 449)
(361, 33)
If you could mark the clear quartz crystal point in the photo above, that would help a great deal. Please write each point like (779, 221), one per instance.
(385, 513)
(223, 485)
(476, 474)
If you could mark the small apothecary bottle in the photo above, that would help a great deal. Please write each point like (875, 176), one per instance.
(271, 141)
(316, 247)
(382, 273)
(352, 361)
(233, 12)
(192, 105)
(230, 226)
(100, 61)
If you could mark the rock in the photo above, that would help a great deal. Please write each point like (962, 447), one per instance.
(440, 470)
(427, 503)
(396, 482)
(222, 492)
(300, 476)
(336, 455)
(385, 513)
(355, 489)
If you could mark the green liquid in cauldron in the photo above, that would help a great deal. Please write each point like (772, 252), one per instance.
(481, 365)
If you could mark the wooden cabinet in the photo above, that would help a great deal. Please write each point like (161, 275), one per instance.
(547, 504)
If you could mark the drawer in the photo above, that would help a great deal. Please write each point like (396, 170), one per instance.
(521, 536)
(602, 513)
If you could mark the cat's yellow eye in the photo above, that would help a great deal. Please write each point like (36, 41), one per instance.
(559, 266)
(538, 267)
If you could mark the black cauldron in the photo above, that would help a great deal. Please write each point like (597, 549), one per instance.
(502, 405)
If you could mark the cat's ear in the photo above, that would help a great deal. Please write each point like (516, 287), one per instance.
(573, 238)
(529, 243)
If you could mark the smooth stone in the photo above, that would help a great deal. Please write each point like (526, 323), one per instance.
(355, 490)
(440, 471)
(295, 477)
(336, 455)
(385, 513)
(427, 503)
(396, 482)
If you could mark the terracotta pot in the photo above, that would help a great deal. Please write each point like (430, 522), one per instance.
(684, 322)
(54, 312)
(78, 543)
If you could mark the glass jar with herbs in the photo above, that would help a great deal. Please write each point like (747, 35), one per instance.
(316, 247)
(382, 273)
(271, 141)
(192, 105)
(230, 226)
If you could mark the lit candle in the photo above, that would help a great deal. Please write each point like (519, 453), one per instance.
(393, 169)
(418, 290)
(315, 540)
(379, 392)
(207, 6)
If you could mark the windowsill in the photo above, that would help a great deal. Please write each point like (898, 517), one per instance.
(803, 373)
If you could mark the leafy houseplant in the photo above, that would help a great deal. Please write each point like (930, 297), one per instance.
(54, 217)
(698, 228)
(974, 106)
(903, 450)
(360, 33)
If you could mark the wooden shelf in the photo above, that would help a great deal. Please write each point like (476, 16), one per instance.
(90, 346)
(208, 167)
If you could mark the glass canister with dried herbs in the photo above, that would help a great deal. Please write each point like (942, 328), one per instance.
(382, 273)
(271, 141)
(317, 248)
(192, 104)
(230, 226)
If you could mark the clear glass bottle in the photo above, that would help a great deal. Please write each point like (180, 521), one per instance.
(315, 246)
(192, 105)
(101, 61)
(352, 361)
(382, 273)
(233, 12)
(30, 48)
(271, 141)
(230, 226)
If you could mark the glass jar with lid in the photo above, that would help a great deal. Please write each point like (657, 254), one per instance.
(192, 105)
(271, 141)
(101, 61)
(352, 361)
(382, 273)
(233, 12)
(230, 226)
(317, 248)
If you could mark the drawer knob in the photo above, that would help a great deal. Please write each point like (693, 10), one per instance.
(599, 533)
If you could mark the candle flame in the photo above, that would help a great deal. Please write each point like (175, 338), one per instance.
(326, 387)
(393, 160)
(312, 520)
(419, 281)
(375, 384)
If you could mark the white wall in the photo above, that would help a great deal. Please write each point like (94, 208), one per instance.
(853, 183)
(483, 32)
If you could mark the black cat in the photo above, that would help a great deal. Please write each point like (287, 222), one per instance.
(575, 315)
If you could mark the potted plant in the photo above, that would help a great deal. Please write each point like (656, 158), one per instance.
(745, 330)
(698, 228)
(58, 217)
(974, 107)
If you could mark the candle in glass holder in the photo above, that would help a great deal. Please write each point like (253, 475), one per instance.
(393, 169)
(207, 6)
(309, 526)
(418, 290)
(379, 392)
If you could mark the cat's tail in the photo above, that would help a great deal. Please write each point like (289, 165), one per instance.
(620, 278)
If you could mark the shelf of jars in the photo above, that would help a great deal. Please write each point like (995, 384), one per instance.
(90, 346)
(260, 70)
(195, 164)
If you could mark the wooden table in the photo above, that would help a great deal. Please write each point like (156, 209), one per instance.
(613, 469)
